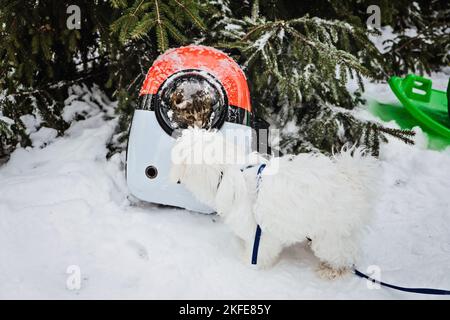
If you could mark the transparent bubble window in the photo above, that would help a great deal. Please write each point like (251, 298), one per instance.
(191, 99)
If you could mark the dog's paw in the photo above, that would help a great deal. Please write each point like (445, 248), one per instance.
(324, 271)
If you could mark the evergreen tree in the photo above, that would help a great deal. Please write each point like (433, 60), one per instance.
(40, 57)
(422, 42)
(290, 51)
(299, 69)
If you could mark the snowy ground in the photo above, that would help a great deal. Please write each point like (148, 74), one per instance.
(65, 205)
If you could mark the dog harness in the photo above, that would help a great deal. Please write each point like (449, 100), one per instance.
(242, 170)
(258, 228)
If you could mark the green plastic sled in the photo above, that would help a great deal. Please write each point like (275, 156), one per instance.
(422, 106)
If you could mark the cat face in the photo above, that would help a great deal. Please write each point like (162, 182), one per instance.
(192, 110)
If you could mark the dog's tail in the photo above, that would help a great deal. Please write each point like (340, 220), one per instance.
(361, 173)
(359, 166)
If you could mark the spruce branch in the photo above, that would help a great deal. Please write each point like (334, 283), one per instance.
(402, 134)
(166, 18)
(324, 129)
(161, 36)
(299, 58)
(195, 18)
(5, 128)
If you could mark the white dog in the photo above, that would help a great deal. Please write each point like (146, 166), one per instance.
(304, 197)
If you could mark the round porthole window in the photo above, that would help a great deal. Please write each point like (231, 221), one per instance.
(191, 98)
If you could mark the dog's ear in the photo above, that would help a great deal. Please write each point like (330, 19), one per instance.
(231, 191)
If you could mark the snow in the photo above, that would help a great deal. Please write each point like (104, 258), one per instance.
(43, 136)
(6, 120)
(232, 27)
(66, 205)
(387, 33)
(75, 108)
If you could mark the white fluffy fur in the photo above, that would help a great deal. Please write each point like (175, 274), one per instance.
(327, 200)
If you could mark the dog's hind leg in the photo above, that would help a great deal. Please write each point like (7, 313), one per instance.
(326, 272)
(336, 253)
(268, 251)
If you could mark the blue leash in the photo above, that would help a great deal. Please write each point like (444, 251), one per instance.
(256, 245)
(258, 228)
(356, 272)
(412, 290)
